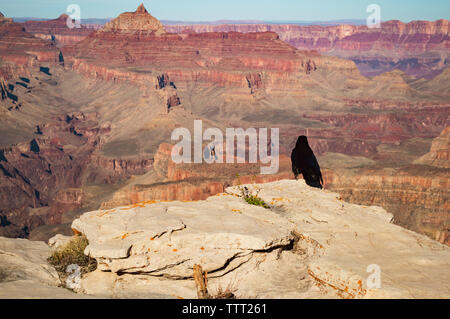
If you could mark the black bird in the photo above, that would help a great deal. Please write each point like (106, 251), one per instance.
(304, 162)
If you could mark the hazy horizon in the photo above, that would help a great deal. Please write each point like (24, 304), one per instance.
(233, 10)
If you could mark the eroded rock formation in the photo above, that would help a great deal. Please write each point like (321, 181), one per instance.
(208, 59)
(439, 154)
(57, 30)
(416, 194)
(419, 48)
(143, 83)
(42, 179)
(138, 22)
(300, 246)
(23, 49)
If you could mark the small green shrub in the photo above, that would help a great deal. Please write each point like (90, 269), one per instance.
(72, 253)
(253, 199)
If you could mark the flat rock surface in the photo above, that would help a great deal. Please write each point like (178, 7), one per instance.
(345, 241)
(25, 273)
(169, 238)
(310, 244)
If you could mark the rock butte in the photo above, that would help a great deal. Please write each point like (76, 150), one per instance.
(439, 154)
(138, 22)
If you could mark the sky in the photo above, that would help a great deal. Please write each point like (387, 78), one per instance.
(212, 10)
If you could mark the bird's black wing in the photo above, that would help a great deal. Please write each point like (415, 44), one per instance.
(296, 167)
(312, 173)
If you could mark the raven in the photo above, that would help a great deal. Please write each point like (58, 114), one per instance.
(304, 162)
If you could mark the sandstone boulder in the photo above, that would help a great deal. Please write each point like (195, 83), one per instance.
(310, 244)
(167, 239)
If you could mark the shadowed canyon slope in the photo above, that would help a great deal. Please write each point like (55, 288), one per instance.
(101, 111)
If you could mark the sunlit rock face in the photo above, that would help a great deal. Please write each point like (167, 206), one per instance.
(23, 49)
(419, 48)
(139, 22)
(300, 245)
(417, 193)
(439, 154)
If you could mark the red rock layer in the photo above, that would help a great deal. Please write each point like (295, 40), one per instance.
(361, 134)
(24, 50)
(417, 196)
(40, 180)
(57, 30)
(439, 154)
(418, 47)
(120, 52)
(415, 37)
(223, 59)
(188, 182)
(388, 127)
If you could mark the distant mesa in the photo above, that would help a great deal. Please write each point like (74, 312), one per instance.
(140, 22)
(439, 155)
(57, 30)
(3, 19)
(63, 17)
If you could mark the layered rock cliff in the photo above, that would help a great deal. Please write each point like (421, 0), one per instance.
(416, 194)
(43, 179)
(439, 154)
(208, 59)
(23, 50)
(188, 182)
(419, 48)
(57, 31)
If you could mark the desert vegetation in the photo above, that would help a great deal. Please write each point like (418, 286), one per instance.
(72, 253)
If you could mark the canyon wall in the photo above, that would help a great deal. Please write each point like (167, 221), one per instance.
(416, 194)
(439, 154)
(189, 182)
(57, 31)
(20, 50)
(419, 48)
(44, 178)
